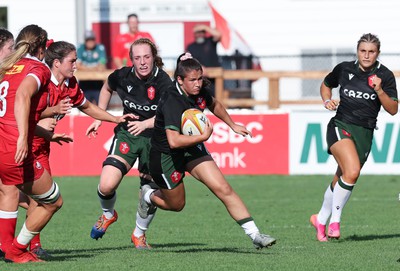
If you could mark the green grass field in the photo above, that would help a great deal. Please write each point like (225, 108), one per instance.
(204, 237)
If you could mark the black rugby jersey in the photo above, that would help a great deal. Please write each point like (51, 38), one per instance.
(359, 103)
(139, 97)
(169, 112)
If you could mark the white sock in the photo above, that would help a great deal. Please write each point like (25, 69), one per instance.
(341, 194)
(8, 215)
(142, 224)
(326, 208)
(107, 204)
(25, 236)
(250, 229)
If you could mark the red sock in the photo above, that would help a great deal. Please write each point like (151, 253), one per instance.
(18, 245)
(35, 242)
(7, 232)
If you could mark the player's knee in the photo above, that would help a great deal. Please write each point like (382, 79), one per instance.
(51, 200)
(351, 175)
(226, 189)
(111, 161)
(106, 191)
(106, 188)
(177, 206)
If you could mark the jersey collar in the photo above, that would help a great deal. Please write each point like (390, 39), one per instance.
(55, 81)
(373, 70)
(32, 57)
(181, 92)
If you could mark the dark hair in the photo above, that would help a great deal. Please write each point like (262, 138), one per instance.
(370, 38)
(157, 59)
(133, 15)
(185, 64)
(58, 50)
(33, 37)
(5, 36)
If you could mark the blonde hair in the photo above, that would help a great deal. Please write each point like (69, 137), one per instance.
(371, 38)
(29, 40)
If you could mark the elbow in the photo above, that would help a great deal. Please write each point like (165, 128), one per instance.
(173, 144)
(394, 112)
(394, 109)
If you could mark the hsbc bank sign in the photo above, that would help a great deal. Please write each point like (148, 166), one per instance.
(264, 153)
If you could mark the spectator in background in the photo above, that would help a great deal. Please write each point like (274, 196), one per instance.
(91, 57)
(120, 50)
(204, 48)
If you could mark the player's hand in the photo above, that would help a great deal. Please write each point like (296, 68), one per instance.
(136, 127)
(61, 138)
(241, 130)
(92, 129)
(48, 124)
(22, 150)
(375, 82)
(331, 104)
(63, 107)
(208, 130)
(127, 117)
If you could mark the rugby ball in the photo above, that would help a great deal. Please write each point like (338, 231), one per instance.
(193, 122)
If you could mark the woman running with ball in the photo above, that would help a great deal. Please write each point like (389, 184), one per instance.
(173, 153)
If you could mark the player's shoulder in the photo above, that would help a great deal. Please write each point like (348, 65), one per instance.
(122, 72)
(162, 75)
(383, 68)
(347, 65)
(38, 68)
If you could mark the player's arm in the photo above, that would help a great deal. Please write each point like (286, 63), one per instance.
(137, 127)
(177, 141)
(105, 96)
(28, 87)
(390, 105)
(97, 113)
(104, 99)
(50, 136)
(326, 95)
(63, 107)
(219, 110)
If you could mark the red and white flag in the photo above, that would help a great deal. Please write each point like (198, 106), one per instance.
(231, 39)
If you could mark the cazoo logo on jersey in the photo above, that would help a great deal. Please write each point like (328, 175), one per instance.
(140, 107)
(359, 94)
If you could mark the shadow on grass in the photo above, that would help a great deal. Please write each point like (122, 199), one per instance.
(170, 248)
(371, 237)
(71, 254)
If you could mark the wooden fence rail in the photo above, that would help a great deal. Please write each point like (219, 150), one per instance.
(220, 75)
